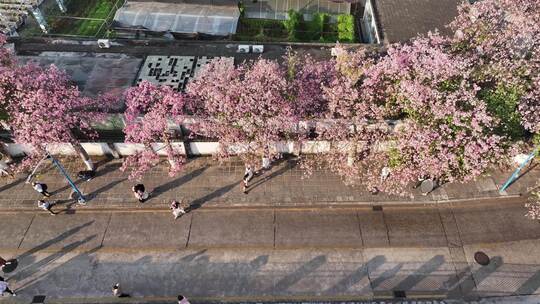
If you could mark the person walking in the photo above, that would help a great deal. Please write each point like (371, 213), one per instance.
(140, 193)
(9, 265)
(248, 175)
(182, 300)
(117, 291)
(5, 169)
(41, 188)
(47, 206)
(177, 209)
(5, 288)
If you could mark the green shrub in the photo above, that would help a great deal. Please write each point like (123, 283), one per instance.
(261, 30)
(293, 25)
(502, 102)
(315, 27)
(346, 28)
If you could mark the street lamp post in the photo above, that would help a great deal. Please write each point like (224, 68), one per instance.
(522, 165)
(81, 199)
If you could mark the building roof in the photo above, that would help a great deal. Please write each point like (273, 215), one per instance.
(401, 20)
(179, 17)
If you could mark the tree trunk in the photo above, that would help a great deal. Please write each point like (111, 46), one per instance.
(85, 157)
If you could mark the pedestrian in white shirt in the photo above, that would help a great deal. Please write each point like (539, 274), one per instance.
(117, 291)
(177, 209)
(41, 188)
(47, 206)
(5, 170)
(248, 175)
(5, 288)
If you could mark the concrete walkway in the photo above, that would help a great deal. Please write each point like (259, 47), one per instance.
(270, 254)
(204, 183)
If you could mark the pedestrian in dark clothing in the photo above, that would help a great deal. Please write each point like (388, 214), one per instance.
(47, 206)
(140, 192)
(117, 291)
(4, 288)
(41, 188)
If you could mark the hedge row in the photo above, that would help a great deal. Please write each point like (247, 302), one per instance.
(295, 28)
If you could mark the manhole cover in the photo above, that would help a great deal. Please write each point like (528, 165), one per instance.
(427, 186)
(38, 299)
(399, 294)
(481, 258)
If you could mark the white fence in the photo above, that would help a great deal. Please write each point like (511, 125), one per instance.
(195, 148)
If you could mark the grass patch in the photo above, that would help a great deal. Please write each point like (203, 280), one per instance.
(97, 9)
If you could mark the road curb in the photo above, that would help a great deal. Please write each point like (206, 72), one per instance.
(334, 205)
(248, 299)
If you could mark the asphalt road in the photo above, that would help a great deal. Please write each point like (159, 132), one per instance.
(276, 254)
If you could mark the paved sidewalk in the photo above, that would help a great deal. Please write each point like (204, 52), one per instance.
(205, 183)
(276, 254)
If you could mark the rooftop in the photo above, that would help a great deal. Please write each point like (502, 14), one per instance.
(401, 20)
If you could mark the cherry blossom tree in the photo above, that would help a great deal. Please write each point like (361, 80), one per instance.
(150, 108)
(6, 62)
(246, 108)
(43, 108)
(444, 132)
(503, 39)
(350, 130)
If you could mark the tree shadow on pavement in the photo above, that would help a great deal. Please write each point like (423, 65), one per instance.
(37, 266)
(356, 276)
(106, 169)
(421, 273)
(530, 167)
(33, 280)
(530, 286)
(471, 280)
(262, 179)
(198, 203)
(378, 280)
(104, 188)
(300, 273)
(177, 182)
(12, 184)
(55, 240)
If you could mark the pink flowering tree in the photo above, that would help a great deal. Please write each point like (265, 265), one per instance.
(43, 107)
(246, 108)
(503, 39)
(6, 62)
(444, 131)
(307, 79)
(350, 129)
(150, 109)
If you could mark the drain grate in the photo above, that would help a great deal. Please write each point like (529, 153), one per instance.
(399, 294)
(481, 258)
(38, 299)
(377, 208)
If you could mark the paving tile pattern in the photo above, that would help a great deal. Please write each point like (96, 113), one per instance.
(205, 183)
